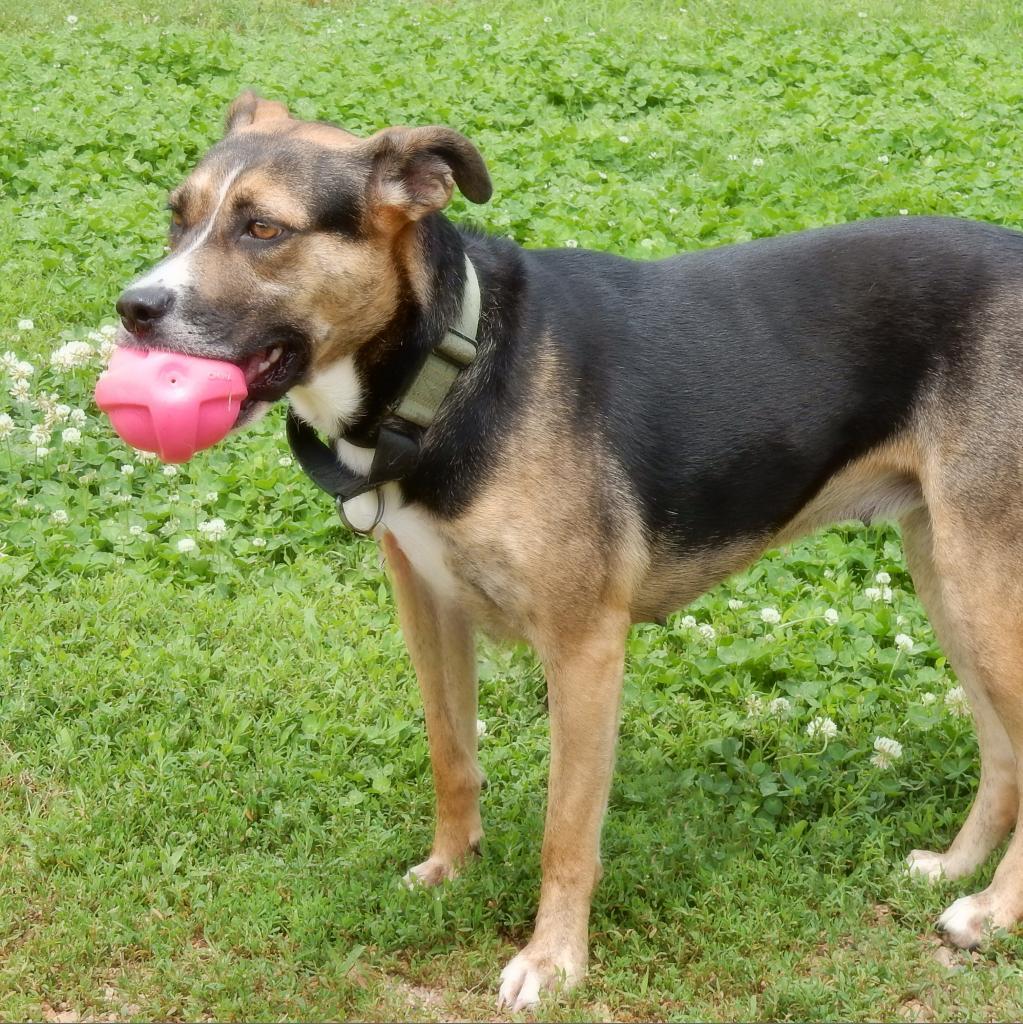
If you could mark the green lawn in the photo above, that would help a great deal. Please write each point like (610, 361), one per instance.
(212, 762)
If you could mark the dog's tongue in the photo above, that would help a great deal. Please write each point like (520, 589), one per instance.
(171, 404)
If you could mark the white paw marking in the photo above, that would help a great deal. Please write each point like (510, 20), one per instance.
(428, 874)
(520, 985)
(926, 864)
(527, 976)
(965, 921)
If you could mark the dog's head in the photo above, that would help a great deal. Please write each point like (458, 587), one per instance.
(292, 241)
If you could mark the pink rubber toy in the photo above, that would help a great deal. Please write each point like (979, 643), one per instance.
(171, 404)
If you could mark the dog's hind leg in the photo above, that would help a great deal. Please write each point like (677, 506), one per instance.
(584, 685)
(441, 642)
(995, 806)
(977, 553)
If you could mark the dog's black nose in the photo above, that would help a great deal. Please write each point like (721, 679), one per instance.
(140, 308)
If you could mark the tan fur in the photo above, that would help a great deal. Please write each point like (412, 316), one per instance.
(883, 484)
(440, 641)
(531, 537)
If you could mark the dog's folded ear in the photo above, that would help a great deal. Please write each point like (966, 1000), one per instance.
(415, 170)
(249, 108)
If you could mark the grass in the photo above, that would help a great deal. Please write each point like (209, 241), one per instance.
(212, 763)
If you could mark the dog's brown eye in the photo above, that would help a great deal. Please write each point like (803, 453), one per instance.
(177, 220)
(262, 230)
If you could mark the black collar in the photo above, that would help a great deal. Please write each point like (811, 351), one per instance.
(398, 439)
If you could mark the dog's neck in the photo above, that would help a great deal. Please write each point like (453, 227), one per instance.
(386, 365)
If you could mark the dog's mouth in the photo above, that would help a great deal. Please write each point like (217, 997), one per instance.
(271, 372)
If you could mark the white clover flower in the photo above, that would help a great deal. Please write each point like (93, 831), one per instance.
(60, 517)
(285, 460)
(212, 497)
(42, 451)
(770, 615)
(6, 425)
(147, 457)
(883, 158)
(78, 417)
(71, 435)
(571, 243)
(39, 435)
(72, 19)
(688, 622)
(735, 604)
(124, 499)
(886, 752)
(883, 578)
(72, 354)
(829, 574)
(174, 497)
(22, 370)
(487, 27)
(928, 698)
(481, 728)
(186, 546)
(127, 469)
(822, 727)
(63, 412)
(707, 631)
(624, 139)
(754, 705)
(831, 616)
(21, 501)
(903, 212)
(136, 530)
(903, 641)
(780, 707)
(213, 529)
(25, 325)
(956, 702)
(732, 156)
(546, 20)
(106, 349)
(872, 593)
(886, 594)
(258, 542)
(170, 470)
(757, 161)
(108, 331)
(861, 14)
(9, 361)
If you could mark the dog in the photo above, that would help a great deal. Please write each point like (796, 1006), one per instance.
(604, 440)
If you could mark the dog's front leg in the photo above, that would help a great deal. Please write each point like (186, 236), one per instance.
(440, 640)
(584, 683)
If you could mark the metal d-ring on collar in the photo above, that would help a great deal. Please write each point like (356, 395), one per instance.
(340, 503)
(394, 452)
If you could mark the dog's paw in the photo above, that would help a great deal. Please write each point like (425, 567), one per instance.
(535, 971)
(926, 864)
(431, 872)
(969, 920)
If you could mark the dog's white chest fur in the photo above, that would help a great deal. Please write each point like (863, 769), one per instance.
(329, 401)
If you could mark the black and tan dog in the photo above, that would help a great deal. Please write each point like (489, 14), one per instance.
(624, 436)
